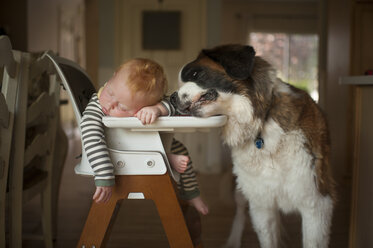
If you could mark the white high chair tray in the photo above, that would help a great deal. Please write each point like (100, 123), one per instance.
(167, 123)
(137, 149)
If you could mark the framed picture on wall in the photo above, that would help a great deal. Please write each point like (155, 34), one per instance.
(161, 30)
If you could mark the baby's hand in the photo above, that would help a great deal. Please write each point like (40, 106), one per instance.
(147, 115)
(102, 194)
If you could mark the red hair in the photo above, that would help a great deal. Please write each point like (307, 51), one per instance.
(146, 76)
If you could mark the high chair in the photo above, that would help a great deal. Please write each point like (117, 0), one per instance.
(138, 153)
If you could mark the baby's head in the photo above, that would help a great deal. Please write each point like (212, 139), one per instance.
(135, 84)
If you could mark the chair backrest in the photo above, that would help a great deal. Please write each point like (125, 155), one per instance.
(42, 110)
(80, 89)
(77, 83)
(8, 84)
(33, 138)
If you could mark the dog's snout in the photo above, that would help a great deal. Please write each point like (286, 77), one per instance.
(173, 98)
(182, 106)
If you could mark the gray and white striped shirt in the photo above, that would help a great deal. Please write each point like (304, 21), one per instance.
(93, 137)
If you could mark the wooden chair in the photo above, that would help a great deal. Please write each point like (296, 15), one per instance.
(9, 83)
(31, 170)
(139, 155)
(59, 158)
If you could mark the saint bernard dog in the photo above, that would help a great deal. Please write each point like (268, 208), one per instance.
(278, 138)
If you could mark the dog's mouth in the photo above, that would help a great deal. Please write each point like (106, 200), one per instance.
(193, 107)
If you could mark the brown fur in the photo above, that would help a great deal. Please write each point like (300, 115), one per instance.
(289, 112)
(230, 80)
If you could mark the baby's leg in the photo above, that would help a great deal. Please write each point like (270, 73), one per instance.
(178, 162)
(199, 204)
(188, 185)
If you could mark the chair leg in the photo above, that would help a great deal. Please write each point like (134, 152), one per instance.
(15, 220)
(97, 223)
(193, 222)
(159, 188)
(59, 158)
(46, 216)
(2, 220)
(164, 197)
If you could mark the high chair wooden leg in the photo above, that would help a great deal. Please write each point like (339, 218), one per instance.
(97, 223)
(159, 188)
(169, 211)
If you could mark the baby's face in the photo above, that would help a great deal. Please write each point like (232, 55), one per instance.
(118, 101)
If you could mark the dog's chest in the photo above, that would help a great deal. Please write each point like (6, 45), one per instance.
(277, 171)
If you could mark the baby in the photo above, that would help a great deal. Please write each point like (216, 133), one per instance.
(137, 88)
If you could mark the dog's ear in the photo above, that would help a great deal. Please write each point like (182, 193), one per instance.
(237, 60)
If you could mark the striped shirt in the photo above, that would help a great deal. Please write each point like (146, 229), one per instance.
(92, 129)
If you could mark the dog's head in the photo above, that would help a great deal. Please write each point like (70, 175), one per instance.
(213, 78)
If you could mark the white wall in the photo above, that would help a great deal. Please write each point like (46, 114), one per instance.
(107, 35)
(57, 25)
(337, 97)
(42, 25)
(106, 40)
(239, 17)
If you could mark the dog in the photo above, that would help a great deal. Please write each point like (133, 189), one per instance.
(278, 137)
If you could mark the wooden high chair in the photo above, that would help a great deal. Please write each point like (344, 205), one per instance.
(138, 153)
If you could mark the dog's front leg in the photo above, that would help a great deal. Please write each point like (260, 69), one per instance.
(238, 226)
(316, 222)
(266, 222)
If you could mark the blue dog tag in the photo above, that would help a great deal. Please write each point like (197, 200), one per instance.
(259, 143)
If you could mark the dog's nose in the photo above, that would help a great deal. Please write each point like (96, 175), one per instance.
(173, 98)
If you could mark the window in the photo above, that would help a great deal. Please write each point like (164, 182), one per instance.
(294, 56)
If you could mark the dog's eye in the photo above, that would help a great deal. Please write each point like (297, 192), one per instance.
(194, 74)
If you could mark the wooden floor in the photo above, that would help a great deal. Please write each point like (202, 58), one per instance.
(138, 224)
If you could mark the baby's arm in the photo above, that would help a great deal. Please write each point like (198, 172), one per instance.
(149, 114)
(97, 153)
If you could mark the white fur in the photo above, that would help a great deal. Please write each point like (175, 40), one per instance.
(241, 125)
(190, 89)
(280, 176)
(234, 240)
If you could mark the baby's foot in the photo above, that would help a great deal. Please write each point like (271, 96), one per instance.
(199, 205)
(178, 162)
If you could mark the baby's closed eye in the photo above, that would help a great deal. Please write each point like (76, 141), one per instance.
(122, 107)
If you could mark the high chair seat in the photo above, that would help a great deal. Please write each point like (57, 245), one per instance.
(125, 136)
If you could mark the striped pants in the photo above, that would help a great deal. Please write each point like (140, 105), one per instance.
(187, 185)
